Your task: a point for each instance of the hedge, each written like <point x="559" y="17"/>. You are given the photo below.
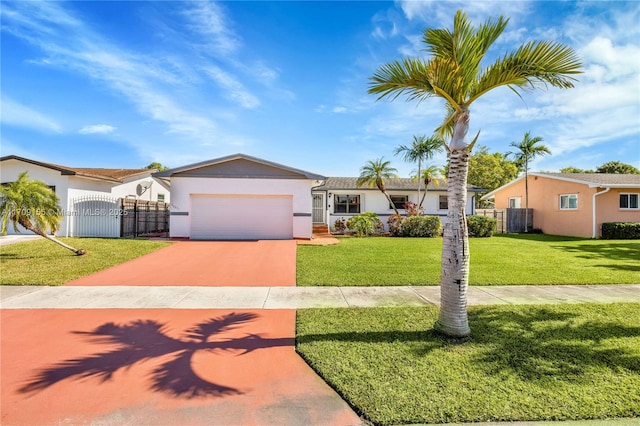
<point x="481" y="226"/>
<point x="621" y="230"/>
<point x="421" y="226"/>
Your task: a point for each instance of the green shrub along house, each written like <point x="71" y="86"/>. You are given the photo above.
<point x="340" y="198"/>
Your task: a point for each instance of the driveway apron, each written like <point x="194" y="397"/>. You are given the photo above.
<point x="167" y="366"/>
<point x="264" y="263"/>
<point x="160" y="367"/>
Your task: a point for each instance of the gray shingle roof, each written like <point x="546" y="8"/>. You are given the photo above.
<point x="349" y="183"/>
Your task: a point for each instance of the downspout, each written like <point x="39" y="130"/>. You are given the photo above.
<point x="594" y="232"/>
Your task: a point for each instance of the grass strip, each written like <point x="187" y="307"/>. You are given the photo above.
<point x="40" y="262"/>
<point x="499" y="260"/>
<point x="524" y="363"/>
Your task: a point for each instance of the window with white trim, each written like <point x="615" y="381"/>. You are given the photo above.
<point x="443" y="202"/>
<point x="629" y="201"/>
<point x="346" y="204"/>
<point x="161" y="198"/>
<point x="569" y="202"/>
<point x="515" y="202"/>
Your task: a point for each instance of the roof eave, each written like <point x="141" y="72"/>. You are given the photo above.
<point x="188" y="167"/>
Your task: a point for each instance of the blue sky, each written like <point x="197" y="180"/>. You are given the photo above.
<point x="122" y="84"/>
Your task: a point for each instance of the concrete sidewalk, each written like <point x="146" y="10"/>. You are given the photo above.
<point x="188" y="297"/>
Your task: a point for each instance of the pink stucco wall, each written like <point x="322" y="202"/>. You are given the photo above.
<point x="544" y="199"/>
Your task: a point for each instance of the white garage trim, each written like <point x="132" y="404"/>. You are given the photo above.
<point x="241" y="216"/>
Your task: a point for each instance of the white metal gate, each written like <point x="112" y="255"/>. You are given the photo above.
<point x="317" y="211"/>
<point x="95" y="216"/>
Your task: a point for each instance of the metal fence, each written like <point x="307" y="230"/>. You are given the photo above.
<point x="103" y="216"/>
<point x="498" y="214"/>
<point x="140" y="217"/>
<point x="95" y="216"/>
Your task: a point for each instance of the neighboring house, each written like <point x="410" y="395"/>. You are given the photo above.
<point x="340" y="197"/>
<point x="74" y="186"/>
<point x="573" y="204"/>
<point x="240" y="197"/>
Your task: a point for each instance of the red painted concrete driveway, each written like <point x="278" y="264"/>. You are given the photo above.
<point x="263" y="263"/>
<point x="159" y="367"/>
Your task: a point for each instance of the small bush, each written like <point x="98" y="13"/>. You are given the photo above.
<point x="364" y="224"/>
<point x="395" y="224"/>
<point x="340" y="225"/>
<point x="621" y="230"/>
<point x="421" y="226"/>
<point x="481" y="226"/>
<point x="413" y="209"/>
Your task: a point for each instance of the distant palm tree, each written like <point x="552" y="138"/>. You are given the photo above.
<point x="32" y="204"/>
<point x="374" y="173"/>
<point x="428" y="175"/>
<point x="422" y="148"/>
<point x="528" y="149"/>
<point x="457" y="72"/>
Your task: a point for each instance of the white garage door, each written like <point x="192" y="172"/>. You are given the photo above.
<point x="241" y="217"/>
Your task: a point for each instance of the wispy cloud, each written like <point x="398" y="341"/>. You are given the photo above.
<point x="234" y="90"/>
<point x="68" y="43"/>
<point x="19" y="115"/>
<point x="209" y="20"/>
<point x="102" y="129"/>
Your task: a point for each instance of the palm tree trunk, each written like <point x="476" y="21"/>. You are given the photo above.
<point x="390" y="202"/>
<point x="454" y="274"/>
<point x="419" y="182"/>
<point x="30" y="227"/>
<point x="526" y="194"/>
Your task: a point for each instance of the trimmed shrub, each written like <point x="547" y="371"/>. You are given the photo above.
<point x="364" y="224"/>
<point x="621" y="230"/>
<point x="481" y="226"/>
<point x="340" y="225"/>
<point x="421" y="226"/>
<point x="395" y="224"/>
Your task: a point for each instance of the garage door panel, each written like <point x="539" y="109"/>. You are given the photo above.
<point x="241" y="217"/>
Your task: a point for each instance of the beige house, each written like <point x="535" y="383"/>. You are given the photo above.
<point x="573" y="204"/>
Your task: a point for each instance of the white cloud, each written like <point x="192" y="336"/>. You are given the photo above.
<point x="442" y="12"/>
<point x="97" y="129"/>
<point x="209" y="20"/>
<point x="139" y="79"/>
<point x="19" y="115"/>
<point x="234" y="89"/>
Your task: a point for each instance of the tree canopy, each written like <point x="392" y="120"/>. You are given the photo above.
<point x="157" y="166"/>
<point x="617" y="167"/>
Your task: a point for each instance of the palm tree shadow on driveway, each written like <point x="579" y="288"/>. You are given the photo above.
<point x="142" y="340"/>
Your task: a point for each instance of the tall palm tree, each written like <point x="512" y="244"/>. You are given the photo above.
<point x="454" y="73"/>
<point x="422" y="148"/>
<point x="428" y="175"/>
<point x="527" y="150"/>
<point x="32" y="204"/>
<point x="374" y="173"/>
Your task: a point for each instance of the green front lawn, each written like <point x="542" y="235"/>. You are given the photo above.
<point x="499" y="260"/>
<point x="555" y="362"/>
<point x="40" y="262"/>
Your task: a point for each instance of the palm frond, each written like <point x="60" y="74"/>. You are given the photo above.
<point x="408" y="76"/>
<point x="466" y="46"/>
<point x="29" y="202"/>
<point x="375" y="172"/>
<point x="533" y="64"/>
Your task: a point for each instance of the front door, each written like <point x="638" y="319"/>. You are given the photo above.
<point x="318" y="209"/>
